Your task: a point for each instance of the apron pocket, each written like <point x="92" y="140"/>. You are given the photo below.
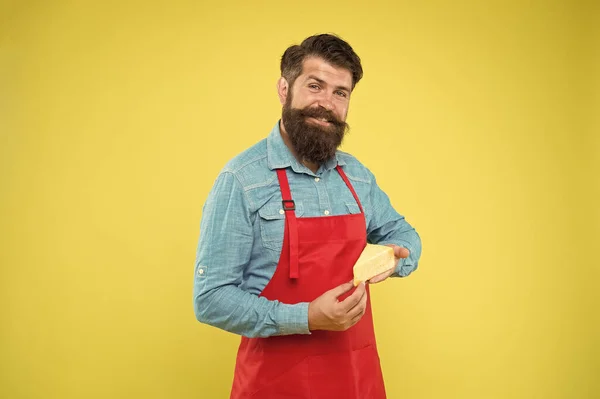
<point x="351" y="374"/>
<point x="292" y="384"/>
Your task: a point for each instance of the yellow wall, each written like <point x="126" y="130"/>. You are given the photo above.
<point x="480" y="120"/>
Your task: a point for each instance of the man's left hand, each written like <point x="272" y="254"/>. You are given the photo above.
<point x="399" y="252"/>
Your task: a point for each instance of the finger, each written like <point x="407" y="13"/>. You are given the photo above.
<point x="359" y="306"/>
<point x="356" y="319"/>
<point x="380" y="277"/>
<point x="353" y="299"/>
<point x="341" y="289"/>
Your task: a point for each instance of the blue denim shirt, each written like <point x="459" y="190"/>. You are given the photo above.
<point x="241" y="233"/>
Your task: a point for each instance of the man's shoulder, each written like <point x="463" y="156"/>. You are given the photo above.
<point x="251" y="157"/>
<point x="353" y="168"/>
<point x="250" y="167"/>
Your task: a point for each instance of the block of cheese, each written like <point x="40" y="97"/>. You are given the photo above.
<point x="374" y="260"/>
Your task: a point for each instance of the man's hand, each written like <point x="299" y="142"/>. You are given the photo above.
<point x="328" y="313"/>
<point x="399" y="252"/>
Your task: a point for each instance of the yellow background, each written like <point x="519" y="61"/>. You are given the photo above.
<point x="480" y="120"/>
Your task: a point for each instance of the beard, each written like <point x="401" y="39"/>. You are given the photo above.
<point x="312" y="142"/>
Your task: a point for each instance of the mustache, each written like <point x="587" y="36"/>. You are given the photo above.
<point x="321" y="113"/>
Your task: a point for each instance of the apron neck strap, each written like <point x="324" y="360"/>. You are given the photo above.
<point x="345" y="178"/>
<point x="291" y="224"/>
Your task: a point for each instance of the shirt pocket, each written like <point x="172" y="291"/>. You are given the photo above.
<point x="352" y="208"/>
<point x="272" y="222"/>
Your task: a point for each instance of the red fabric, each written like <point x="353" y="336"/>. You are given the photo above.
<point x="324" y="364"/>
<point x="290" y="219"/>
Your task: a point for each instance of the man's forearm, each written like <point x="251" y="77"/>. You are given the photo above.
<point x="240" y="312"/>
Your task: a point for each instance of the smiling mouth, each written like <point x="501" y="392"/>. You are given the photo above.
<point x="320" y="121"/>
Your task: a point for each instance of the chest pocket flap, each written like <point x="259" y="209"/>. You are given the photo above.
<point x="352" y="208"/>
<point x="272" y="220"/>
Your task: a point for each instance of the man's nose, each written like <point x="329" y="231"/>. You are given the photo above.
<point x="325" y="102"/>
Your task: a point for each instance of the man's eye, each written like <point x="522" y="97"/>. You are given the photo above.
<point x="314" y="86"/>
<point x="342" y="94"/>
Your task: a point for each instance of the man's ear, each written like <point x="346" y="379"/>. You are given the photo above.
<point x="282" y="90"/>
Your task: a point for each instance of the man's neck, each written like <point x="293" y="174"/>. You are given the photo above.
<point x="286" y="139"/>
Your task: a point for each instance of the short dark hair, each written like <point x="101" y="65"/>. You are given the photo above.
<point x="329" y="47"/>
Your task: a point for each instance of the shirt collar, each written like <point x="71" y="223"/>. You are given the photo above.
<point x="279" y="155"/>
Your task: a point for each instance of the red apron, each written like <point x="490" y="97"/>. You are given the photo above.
<point x="318" y="254"/>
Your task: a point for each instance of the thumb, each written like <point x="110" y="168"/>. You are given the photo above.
<point x="399" y="252"/>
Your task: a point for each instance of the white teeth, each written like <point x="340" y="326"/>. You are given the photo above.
<point x="321" y="119"/>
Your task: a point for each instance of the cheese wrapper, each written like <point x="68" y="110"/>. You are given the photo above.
<point x="374" y="260"/>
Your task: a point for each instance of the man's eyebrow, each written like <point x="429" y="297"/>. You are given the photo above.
<point x="321" y="81"/>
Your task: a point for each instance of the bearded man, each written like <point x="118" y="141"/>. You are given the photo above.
<point x="281" y="230"/>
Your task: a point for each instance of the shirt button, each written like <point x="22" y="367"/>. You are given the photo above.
<point x="201" y="271"/>
<point x="281" y="211"/>
<point x="326" y="212"/>
<point x="317" y="179"/>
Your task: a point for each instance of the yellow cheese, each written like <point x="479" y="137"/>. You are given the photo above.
<point x="374" y="260"/>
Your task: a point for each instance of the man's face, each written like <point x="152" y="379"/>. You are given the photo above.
<point x="315" y="110"/>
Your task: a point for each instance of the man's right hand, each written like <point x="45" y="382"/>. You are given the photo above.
<point x="328" y="313"/>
